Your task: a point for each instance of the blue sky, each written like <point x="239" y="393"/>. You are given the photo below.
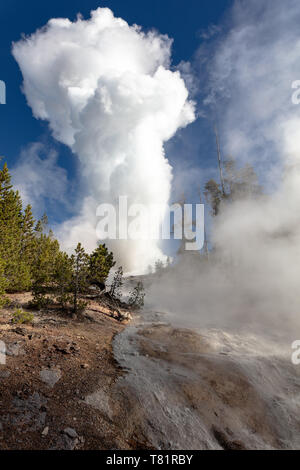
<point x="182" y="21"/>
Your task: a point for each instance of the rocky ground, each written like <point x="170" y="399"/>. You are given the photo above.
<point x="56" y="382"/>
<point x="209" y="388"/>
<point x="101" y="382"/>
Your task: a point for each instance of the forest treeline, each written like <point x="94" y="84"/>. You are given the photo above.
<point x="31" y="258"/>
<point x="236" y="183"/>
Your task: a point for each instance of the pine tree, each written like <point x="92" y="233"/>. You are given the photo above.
<point x="137" y="296"/>
<point x="159" y="266"/>
<point x="3" y="285"/>
<point x="101" y="262"/>
<point x="38" y="229"/>
<point x="79" y="282"/>
<point x="16" y="271"/>
<point x="117" y="282"/>
<point x="43" y="270"/>
<point x="213" y="195"/>
<point x="30" y="257"/>
<point x="63" y="279"/>
<point x="28" y="238"/>
<point x="240" y="182"/>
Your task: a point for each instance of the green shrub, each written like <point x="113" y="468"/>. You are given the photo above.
<point x="20" y="317"/>
<point x="39" y="301"/>
<point x="81" y="306"/>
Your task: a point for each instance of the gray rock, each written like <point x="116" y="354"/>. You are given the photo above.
<point x="14" y="349"/>
<point x="28" y="412"/>
<point x="50" y="376"/>
<point x="70" y="432"/>
<point x="100" y="401"/>
<point x="64" y="442"/>
<point x="4" y="374"/>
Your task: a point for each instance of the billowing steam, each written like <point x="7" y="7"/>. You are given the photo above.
<point x="254" y="274"/>
<point x="107" y="92"/>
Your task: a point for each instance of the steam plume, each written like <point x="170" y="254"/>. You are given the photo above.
<point x="254" y="276"/>
<point x="107" y="92"/>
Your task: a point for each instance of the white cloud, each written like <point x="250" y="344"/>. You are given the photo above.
<point x="38" y="177"/>
<point x="211" y="31"/>
<point x="251" y="75"/>
<point x="107" y="93"/>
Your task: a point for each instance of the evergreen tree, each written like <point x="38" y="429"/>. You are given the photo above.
<point x="79" y="281"/>
<point x="30" y="257"/>
<point x="28" y="237"/>
<point x="101" y="262"/>
<point x="15" y="270"/>
<point x="159" y="266"/>
<point x="213" y="195"/>
<point x="117" y="282"/>
<point x="38" y="229"/>
<point x="46" y="252"/>
<point x="63" y="279"/>
<point x="240" y="182"/>
<point x="137" y="296"/>
<point x="3" y="284"/>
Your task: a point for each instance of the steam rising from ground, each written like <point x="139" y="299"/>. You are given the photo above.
<point x="253" y="277"/>
<point x="107" y="93"/>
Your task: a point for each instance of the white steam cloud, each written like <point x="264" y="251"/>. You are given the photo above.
<point x="38" y="177"/>
<point x="253" y="275"/>
<point x="256" y="65"/>
<point x="107" y="92"/>
<point x="251" y="75"/>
